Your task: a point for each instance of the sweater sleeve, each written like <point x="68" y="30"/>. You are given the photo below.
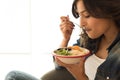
<point x="77" y="42"/>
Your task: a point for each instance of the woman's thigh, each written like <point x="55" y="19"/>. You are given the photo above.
<point x="58" y="74"/>
<point x="18" y="75"/>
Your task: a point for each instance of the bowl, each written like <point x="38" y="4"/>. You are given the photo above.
<point x="72" y="54"/>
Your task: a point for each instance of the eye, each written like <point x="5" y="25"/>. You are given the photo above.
<point x="87" y="16"/>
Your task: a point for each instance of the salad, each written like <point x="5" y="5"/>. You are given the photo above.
<point x="71" y="51"/>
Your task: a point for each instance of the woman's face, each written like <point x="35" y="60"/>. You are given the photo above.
<point x="94" y="27"/>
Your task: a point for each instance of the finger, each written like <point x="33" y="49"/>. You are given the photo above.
<point x="66" y="31"/>
<point x="82" y="61"/>
<point x="67" y="28"/>
<point x="64" y="18"/>
<point x="67" y="24"/>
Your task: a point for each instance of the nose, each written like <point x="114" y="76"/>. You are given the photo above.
<point x="82" y="22"/>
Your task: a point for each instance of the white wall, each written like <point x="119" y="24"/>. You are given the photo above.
<point x="15" y="26"/>
<point x="29" y="32"/>
<point x="15" y="36"/>
<point x="46" y="36"/>
<point x="45" y="23"/>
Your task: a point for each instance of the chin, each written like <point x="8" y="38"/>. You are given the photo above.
<point x="93" y="37"/>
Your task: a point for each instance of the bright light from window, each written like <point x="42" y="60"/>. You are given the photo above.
<point x="15" y="28"/>
<point x="18" y="16"/>
<point x="45" y="17"/>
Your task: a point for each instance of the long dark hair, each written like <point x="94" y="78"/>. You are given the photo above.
<point x="109" y="9"/>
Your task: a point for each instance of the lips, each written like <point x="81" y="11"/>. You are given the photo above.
<point x="86" y="29"/>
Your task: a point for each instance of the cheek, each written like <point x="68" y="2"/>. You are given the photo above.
<point x="95" y="33"/>
<point x="98" y="27"/>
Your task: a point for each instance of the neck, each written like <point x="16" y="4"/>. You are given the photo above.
<point x="111" y="34"/>
<point x="110" y="38"/>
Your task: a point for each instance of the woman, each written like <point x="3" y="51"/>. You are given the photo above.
<point x="100" y="21"/>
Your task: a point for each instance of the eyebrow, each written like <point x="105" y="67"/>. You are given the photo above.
<point x="82" y="12"/>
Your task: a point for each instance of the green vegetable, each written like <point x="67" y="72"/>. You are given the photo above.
<point x="63" y="51"/>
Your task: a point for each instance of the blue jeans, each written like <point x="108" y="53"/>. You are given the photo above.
<point x="18" y="75"/>
<point x="55" y="74"/>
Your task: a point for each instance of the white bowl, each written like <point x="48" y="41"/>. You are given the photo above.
<point x="71" y="59"/>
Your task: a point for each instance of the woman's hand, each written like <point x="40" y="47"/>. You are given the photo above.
<point x="66" y="27"/>
<point x="77" y="70"/>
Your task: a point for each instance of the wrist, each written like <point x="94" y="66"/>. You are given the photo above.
<point x="64" y="43"/>
<point x="66" y="39"/>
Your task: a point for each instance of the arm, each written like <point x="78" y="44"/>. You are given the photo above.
<point x="64" y="43"/>
<point x="66" y="27"/>
<point x="77" y="70"/>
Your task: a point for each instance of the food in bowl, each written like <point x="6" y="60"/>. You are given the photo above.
<point x="71" y="51"/>
<point x="71" y="54"/>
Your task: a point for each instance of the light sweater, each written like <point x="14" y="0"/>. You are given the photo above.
<point x="91" y="65"/>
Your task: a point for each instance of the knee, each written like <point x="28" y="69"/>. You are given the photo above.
<point x="11" y="75"/>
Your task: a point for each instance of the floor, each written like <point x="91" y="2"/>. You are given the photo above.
<point x="35" y="65"/>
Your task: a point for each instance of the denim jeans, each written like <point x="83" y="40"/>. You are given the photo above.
<point x="18" y="75"/>
<point x="55" y="74"/>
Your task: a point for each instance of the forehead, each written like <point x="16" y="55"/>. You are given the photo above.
<point x="80" y="7"/>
